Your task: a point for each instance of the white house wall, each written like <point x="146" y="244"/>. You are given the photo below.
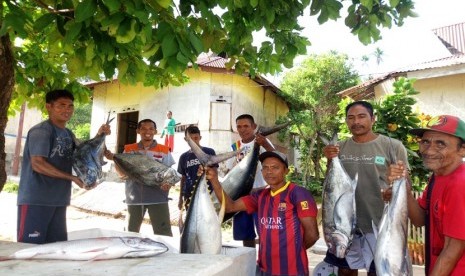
<point x="442" y="95"/>
<point x="191" y="104"/>
<point x="438" y="95"/>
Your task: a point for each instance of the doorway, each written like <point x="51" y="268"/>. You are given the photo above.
<point x="127" y="126"/>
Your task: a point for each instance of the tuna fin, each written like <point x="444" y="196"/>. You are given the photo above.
<point x="265" y="131"/>
<point x="375" y="229"/>
<point x="223" y="207"/>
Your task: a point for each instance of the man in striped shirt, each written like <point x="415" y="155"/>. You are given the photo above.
<point x="287" y="217"/>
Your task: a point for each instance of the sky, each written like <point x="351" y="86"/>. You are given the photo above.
<point x="410" y="44"/>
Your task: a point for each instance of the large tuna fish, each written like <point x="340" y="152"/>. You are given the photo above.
<point x="88" y="158"/>
<point x="201" y="232"/>
<point x="239" y="181"/>
<point x="339" y="215"/>
<point x="391" y="254"/>
<point x="145" y="169"/>
<point x="92" y="249"/>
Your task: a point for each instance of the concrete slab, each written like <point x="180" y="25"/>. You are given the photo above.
<point x="233" y="261"/>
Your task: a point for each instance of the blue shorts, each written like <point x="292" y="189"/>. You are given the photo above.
<point x="244" y="226"/>
<point x="342" y="263"/>
<point x="41" y="224"/>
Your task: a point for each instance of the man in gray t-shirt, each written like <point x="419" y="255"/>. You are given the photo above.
<point x="367" y="154"/>
<point x="45" y="183"/>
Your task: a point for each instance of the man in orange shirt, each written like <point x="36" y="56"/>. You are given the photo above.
<point x="141" y="198"/>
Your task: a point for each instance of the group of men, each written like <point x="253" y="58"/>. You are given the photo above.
<point x="283" y="213"/>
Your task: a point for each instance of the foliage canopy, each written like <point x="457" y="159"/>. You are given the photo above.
<point x="311" y="91"/>
<point x="56" y="44"/>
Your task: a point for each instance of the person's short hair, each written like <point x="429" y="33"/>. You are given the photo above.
<point x="365" y="104"/>
<point x="245" y="116"/>
<point x="276" y="154"/>
<point x="192" y="130"/>
<point x="57" y="94"/>
<point x="146" y="121"/>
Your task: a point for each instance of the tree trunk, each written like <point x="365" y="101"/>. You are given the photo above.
<point x="7" y="81"/>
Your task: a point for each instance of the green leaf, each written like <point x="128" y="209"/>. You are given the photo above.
<point x="85" y="9"/>
<point x="169" y="46"/>
<point x="112" y="5"/>
<point x="196" y="42"/>
<point x="16" y="23"/>
<point x="164" y="3"/>
<point x="43" y="21"/>
<point x="394" y="3"/>
<point x="367" y="4"/>
<point x="182" y="58"/>
<point x="254" y="3"/>
<point x="73" y="30"/>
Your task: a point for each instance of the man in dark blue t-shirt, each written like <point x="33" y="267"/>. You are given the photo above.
<point x="188" y="166"/>
<point x="45" y="183"/>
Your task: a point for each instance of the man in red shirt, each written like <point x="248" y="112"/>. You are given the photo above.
<point x="441" y="208"/>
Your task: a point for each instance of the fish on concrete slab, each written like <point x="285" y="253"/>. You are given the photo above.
<point x="104" y="248"/>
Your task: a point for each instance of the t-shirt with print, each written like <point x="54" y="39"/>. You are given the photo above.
<point x="282" y="249"/>
<point x="259" y="182"/>
<point x="140" y="194"/>
<point x="188" y="166"/>
<point x="447" y="214"/>
<point x="370" y="160"/>
<point x="56" y="145"/>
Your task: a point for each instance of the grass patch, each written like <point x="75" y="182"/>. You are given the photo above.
<point x="11" y="187"/>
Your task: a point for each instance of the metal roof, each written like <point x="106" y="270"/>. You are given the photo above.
<point x="453" y="37"/>
<point x="365" y="90"/>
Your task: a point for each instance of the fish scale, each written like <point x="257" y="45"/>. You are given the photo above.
<point x="88" y="158"/>
<point x="145" y="169"/>
<point x="391" y="253"/>
<point x="103" y="248"/>
<point x="338" y="206"/>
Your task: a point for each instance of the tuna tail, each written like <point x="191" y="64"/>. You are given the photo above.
<point x="108" y="118"/>
<point x="206" y="159"/>
<point x="326" y="141"/>
<point x="265" y="131"/>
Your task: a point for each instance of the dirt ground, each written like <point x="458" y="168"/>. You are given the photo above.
<point x="109" y="197"/>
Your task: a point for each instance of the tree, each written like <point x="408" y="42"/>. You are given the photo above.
<point x="80" y="122"/>
<point x="311" y="93"/>
<point x="57" y="43"/>
<point x="378" y="54"/>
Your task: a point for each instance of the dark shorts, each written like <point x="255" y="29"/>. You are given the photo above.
<point x="244" y="226"/>
<point x="41" y="224"/>
<point x="342" y="263"/>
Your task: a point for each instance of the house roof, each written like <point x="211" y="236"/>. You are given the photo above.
<point x="365" y="90"/>
<point x="212" y="63"/>
<point x="453" y="37"/>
